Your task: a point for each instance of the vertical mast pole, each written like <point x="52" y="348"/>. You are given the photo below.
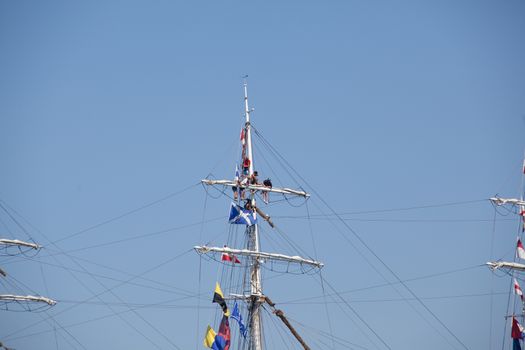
<point x="522" y="176"/>
<point x="253" y="244"/>
<point x="248" y="128"/>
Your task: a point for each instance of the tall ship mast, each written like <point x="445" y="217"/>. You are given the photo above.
<point x="515" y="269"/>
<point x="245" y="210"/>
<point x="10" y="247"/>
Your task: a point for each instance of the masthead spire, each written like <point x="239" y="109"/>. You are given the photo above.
<point x="247" y="112"/>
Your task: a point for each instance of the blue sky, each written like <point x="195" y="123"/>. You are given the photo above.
<point x="110" y="106"/>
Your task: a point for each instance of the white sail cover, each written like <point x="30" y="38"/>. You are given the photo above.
<point x="503" y="201"/>
<point x="13" y="242"/>
<point x="12" y="297"/>
<point x="262" y="188"/>
<point x="494" y="265"/>
<point x="263" y="255"/>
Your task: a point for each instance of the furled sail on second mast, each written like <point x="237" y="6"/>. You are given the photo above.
<point x="515" y="269"/>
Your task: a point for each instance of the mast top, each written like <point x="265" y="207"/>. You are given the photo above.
<point x="247" y="111"/>
<point x="246" y="108"/>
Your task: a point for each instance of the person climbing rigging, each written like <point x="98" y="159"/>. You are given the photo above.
<point x="248" y="205"/>
<point x="240" y="181"/>
<point x="266" y="194"/>
<point x="253" y="179"/>
<point x="246" y="166"/>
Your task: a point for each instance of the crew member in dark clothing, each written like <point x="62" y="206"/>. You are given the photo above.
<point x="266" y="194"/>
<point x="253" y="178"/>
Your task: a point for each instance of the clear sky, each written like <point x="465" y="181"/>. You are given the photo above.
<point x="109" y="109"/>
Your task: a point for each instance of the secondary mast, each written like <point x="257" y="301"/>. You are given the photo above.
<point x="513" y="267"/>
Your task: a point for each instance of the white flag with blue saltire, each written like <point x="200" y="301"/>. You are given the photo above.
<point x="241" y="216"/>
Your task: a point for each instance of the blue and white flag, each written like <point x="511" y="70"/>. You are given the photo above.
<point x="236" y="315"/>
<point x="241" y="216"/>
<point x="237" y="175"/>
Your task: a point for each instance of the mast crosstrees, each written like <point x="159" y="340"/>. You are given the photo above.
<point x="259" y="255"/>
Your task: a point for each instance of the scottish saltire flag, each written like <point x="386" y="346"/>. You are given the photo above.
<point x="520" y="251"/>
<point x="242" y="216"/>
<point x="236" y="315"/>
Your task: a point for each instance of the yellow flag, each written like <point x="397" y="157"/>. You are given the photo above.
<point x="218" y="289"/>
<point x="218" y="298"/>
<point x="209" y="338"/>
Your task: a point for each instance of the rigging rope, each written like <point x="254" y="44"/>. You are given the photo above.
<point x="491" y="309"/>
<point x="339" y="340"/>
<point x="15" y="220"/>
<point x="127" y="213"/>
<point x="105" y="291"/>
<point x="320" y="275"/>
<point x="367" y="247"/>
<point x="197" y="343"/>
<point x="144" y="235"/>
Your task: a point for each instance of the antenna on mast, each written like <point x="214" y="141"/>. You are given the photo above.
<point x="247" y="126"/>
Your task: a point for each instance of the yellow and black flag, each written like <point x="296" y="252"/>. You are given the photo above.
<point x="218" y="298"/>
